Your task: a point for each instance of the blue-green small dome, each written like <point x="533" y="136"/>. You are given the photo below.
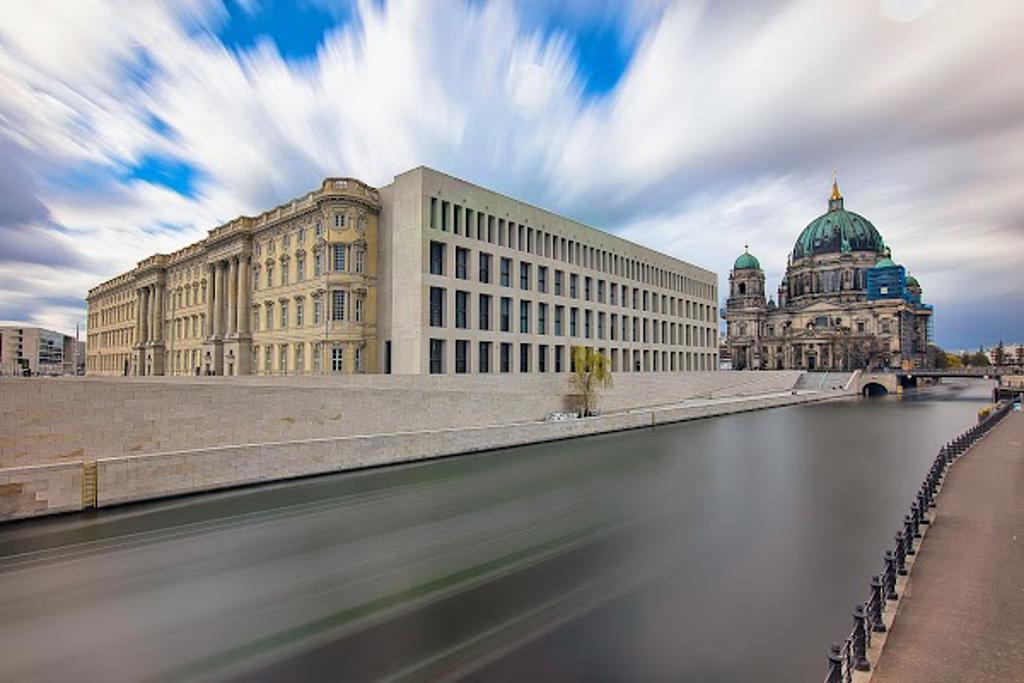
<point x="912" y="281"/>
<point x="886" y="263"/>
<point x="746" y="261"/>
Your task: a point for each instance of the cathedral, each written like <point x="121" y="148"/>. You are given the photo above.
<point x="843" y="304"/>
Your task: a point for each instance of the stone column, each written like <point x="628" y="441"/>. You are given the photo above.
<point x="244" y="312"/>
<point x="140" y="314"/>
<point x="158" y="312"/>
<point x="232" y="291"/>
<point x="218" y="299"/>
<point x="210" y="280"/>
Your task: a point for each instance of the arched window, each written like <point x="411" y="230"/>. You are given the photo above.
<point x="742" y="288"/>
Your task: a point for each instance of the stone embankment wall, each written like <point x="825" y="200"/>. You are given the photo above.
<point x="134" y="478"/>
<point x="85" y="419"/>
<point x="40" y="490"/>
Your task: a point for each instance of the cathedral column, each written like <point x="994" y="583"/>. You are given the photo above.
<point x="232" y="290"/>
<point x="210" y="279"/>
<point x="244" y="314"/>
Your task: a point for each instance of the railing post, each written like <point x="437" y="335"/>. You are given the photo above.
<point x="901" y="554"/>
<point x="915" y="512"/>
<point x="909" y="533"/>
<point x="877" y="603"/>
<point x="890" y="575"/>
<point x="922" y="506"/>
<point x="835" y="664"/>
<point x="860" y="639"/>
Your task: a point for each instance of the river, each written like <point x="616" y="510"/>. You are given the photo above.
<point x="726" y="549"/>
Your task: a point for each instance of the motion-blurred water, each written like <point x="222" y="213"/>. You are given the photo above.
<point x="725" y="549"/>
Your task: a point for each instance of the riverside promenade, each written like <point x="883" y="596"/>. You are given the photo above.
<point x="962" y="615"/>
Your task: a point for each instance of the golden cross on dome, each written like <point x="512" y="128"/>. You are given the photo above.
<point x="835" y="185"/>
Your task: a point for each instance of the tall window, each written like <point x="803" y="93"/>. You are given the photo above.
<point x="542" y="358"/>
<point x="485" y="268"/>
<point x="437" y="258"/>
<point x="317" y="264"/>
<point x="573" y="284"/>
<point x="542" y="318"/>
<point x="317" y="313"/>
<point x="506" y="272"/>
<point x="359" y="309"/>
<point x="270" y="275"/>
<point x="558" y="358"/>
<point x="573" y="315"/>
<point x="270" y="316"/>
<point x="461" y="356"/>
<point x="524" y="275"/>
<point x="339" y="220"/>
<point x="436" y="356"/>
<point x="461" y="263"/>
<point x="524" y="317"/>
<point x="559" y="312"/>
<point x="284" y="272"/>
<point x="337" y="358"/>
<point x="284" y="314"/>
<point x="359" y="359"/>
<point x="524" y="358"/>
<point x="436" y="307"/>
<point x="461" y="309"/>
<point x="255" y="319"/>
<point x="360" y="260"/>
<point x="300" y="267"/>
<point x="338" y="304"/>
<point x="268" y="359"/>
<point x="485" y="312"/>
<point x="506" y="314"/>
<point x="300" y="311"/>
<point x="282" y="358"/>
<point x="505" y="357"/>
<point x="317" y="362"/>
<point x="559" y="278"/>
<point x="485" y="357"/>
<point x="300" y="357"/>
<point x="339" y="257"/>
<point x="542" y="279"/>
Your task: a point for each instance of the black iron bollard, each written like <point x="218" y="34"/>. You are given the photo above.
<point x="860" y="639"/>
<point x="835" y="664"/>
<point x="922" y="506"/>
<point x="890" y="575"/>
<point x="901" y="554"/>
<point x="877" y="603"/>
<point x="915" y="512"/>
<point x="909" y="533"/>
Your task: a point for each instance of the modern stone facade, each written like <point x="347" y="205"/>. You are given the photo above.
<point x="429" y="274"/>
<point x="843" y="304"/>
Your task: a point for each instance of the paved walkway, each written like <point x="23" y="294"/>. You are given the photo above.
<point x="962" y="617"/>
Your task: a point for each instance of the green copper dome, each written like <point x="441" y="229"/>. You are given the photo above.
<point x="746" y="261"/>
<point x="838" y="231"/>
<point x="912" y="281"/>
<point x="886" y="263"/>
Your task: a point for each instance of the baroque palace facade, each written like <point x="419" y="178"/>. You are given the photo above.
<point x="429" y="274"/>
<point x="843" y="303"/>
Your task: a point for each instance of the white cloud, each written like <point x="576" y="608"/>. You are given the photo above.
<point x="723" y="129"/>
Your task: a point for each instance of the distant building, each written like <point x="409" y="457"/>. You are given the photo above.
<point x="843" y="304"/>
<point x="429" y="274"/>
<point x="26" y="350"/>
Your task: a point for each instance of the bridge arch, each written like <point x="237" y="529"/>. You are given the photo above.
<point x="874" y="389"/>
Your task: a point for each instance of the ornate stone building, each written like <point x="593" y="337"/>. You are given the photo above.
<point x="429" y="274"/>
<point x="843" y="303"/>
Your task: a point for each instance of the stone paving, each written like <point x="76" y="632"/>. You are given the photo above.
<point x="962" y="615"/>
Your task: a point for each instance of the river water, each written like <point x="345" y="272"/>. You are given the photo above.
<point x="726" y="549"/>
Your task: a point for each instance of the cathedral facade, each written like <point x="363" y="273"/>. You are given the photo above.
<point x="843" y="304"/>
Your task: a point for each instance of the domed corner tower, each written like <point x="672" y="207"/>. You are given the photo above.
<point x="745" y="311"/>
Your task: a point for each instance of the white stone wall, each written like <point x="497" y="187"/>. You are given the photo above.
<point x="62" y="419"/>
<point x="40" y="490"/>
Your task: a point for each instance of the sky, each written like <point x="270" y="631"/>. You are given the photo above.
<point x="694" y="128"/>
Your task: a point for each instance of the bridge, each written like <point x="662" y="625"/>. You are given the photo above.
<point x="876" y="383"/>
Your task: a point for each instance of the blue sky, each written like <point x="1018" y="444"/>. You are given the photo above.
<point x="691" y="127"/>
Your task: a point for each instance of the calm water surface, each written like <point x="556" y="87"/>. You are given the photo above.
<point x="727" y="549"/>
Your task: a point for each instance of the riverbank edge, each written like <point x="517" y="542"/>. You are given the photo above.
<point x="889" y="617"/>
<point x="38" y="490"/>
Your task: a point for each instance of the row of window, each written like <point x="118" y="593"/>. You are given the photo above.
<point x="557" y="358"/>
<point x="274" y="358"/>
<point x="466" y="222"/>
<point x="593" y="289"/>
<point x="552" y="319"/>
<point x="344" y="306"/>
<point x="344" y="258"/>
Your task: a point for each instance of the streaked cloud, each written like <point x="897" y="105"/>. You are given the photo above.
<point x="693" y="127"/>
